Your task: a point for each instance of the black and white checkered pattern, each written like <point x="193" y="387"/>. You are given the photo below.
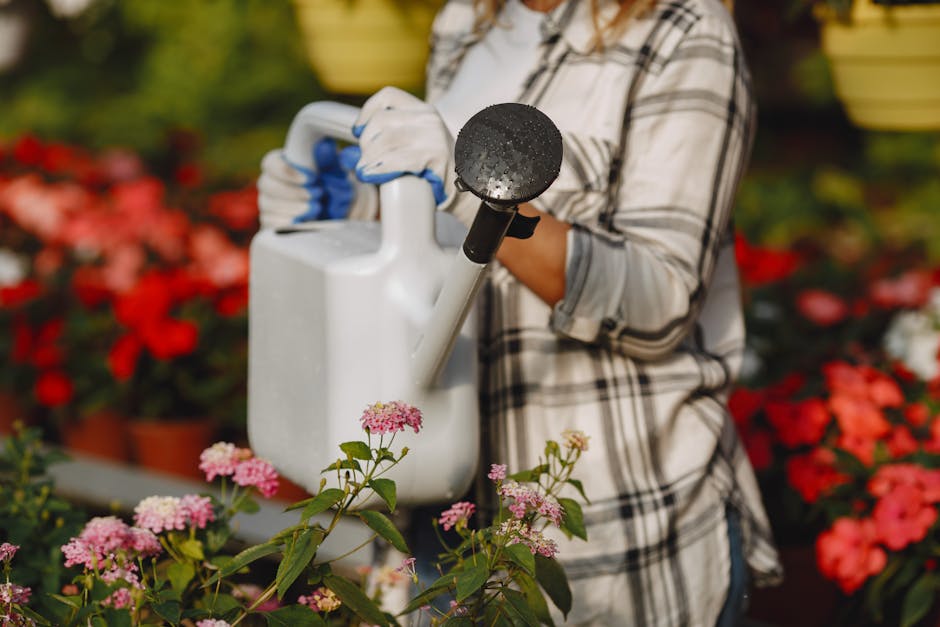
<point x="641" y="352"/>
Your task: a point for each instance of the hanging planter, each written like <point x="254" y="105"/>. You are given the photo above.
<point x="885" y="61"/>
<point x="357" y="47"/>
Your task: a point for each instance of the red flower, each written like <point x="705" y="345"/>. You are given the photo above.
<point x="233" y="302"/>
<point x="53" y="388"/>
<point x="844" y="377"/>
<point x="188" y="175"/>
<point x="759" y="446"/>
<point x="821" y="307"/>
<point x="907" y="290"/>
<point x="888" y="477"/>
<point x="882" y="389"/>
<point x="122" y="358"/>
<point x="237" y="209"/>
<point x="917" y="414"/>
<point x="787" y="386"/>
<point x="22" y="341"/>
<point x="762" y="265"/>
<point x="169" y="338"/>
<point x="847" y="554"/>
<point x="860" y="446"/>
<point x="147" y="301"/>
<point x="90" y="287"/>
<point x="800" y="422"/>
<point x="19" y="294"/>
<point x="901" y="442"/>
<point x="744" y="403"/>
<point x="858" y="416"/>
<point x="903" y="516"/>
<point x="28" y="151"/>
<point x="814" y="474"/>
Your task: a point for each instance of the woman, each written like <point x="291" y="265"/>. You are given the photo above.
<point x="621" y="316"/>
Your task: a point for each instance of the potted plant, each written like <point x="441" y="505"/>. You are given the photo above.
<point x="359" y="46"/>
<point x="885" y="60"/>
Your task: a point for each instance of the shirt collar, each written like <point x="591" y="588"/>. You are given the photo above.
<point x="572" y="21"/>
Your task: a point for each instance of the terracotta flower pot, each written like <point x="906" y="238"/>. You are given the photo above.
<point x="172" y="446"/>
<point x="101" y="434"/>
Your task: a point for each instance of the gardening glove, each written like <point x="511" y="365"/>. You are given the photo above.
<point x="400" y="134"/>
<point x="290" y="194"/>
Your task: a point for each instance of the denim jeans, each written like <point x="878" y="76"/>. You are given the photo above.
<point x="736" y="602"/>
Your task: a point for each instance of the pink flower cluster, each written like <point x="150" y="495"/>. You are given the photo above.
<point x="497" y="472"/>
<point x="104" y="539"/>
<point x="13" y="593"/>
<point x="212" y="622"/>
<point x="320" y="600"/>
<point x="517" y="532"/>
<point x="525" y="499"/>
<point x="7" y="551"/>
<point x="457" y="514"/>
<point x="166" y="513"/>
<point x="390" y="417"/>
<point x="224" y="459"/>
<point x="906" y="508"/>
<point x="575" y="440"/>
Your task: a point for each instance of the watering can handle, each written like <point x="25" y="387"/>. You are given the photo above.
<point x="314" y="122"/>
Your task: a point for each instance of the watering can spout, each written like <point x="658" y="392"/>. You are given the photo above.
<point x="505" y="155"/>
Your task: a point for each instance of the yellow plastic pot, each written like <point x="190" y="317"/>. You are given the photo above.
<point x="886" y="65"/>
<point x="359" y="46"/>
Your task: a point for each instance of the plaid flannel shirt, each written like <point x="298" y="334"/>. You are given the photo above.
<point x="641" y="352"/>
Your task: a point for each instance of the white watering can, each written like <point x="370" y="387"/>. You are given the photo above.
<point x="347" y="313"/>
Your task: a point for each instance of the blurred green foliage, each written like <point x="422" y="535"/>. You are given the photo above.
<point x="227" y="75"/>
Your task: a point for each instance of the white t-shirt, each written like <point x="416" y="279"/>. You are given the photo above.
<point x="508" y="52"/>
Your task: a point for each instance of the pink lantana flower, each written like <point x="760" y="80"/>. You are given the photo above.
<point x="517" y="532"/>
<point x="220" y="459"/>
<point x="257" y="473"/>
<point x="497" y="472"/>
<point x="320" y="600"/>
<point x="212" y="622"/>
<point x="458" y="514"/>
<point x="160" y="513"/>
<point x="390" y="417"/>
<point x="198" y="510"/>
<point x="7" y="551"/>
<point x="105" y="538"/>
<point x="525" y="499"/>
<point x="575" y="440"/>
<point x="13" y="593"/>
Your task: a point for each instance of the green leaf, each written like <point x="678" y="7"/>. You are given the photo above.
<point x="457" y="621"/>
<point x="534" y="596"/>
<point x="436" y="589"/>
<point x="386" y="489"/>
<point x="322" y="502"/>
<point x="918" y="600"/>
<point x="579" y="487"/>
<point x="221" y="603"/>
<point x="248" y="505"/>
<point x="298" y="555"/>
<point x="520" y="607"/>
<point x="299" y="504"/>
<point x="521" y="555"/>
<point x="343" y="464"/>
<point x="293" y="616"/>
<point x="192" y="548"/>
<point x="553" y="580"/>
<point x="573" y="522"/>
<point x="249" y="555"/>
<point x="849" y="463"/>
<point x="118" y="618"/>
<point x="180" y="574"/>
<point x="169" y="611"/>
<point x="355" y="599"/>
<point x="356" y="450"/>
<point x="472" y="577"/>
<point x="380" y="524"/>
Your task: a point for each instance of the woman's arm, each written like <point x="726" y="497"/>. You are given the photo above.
<point x="538" y="262"/>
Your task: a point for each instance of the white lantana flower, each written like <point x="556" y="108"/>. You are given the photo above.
<point x="913" y="338"/>
<point x="13" y="267"/>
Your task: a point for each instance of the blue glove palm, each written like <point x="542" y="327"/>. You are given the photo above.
<point x="331" y="192"/>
